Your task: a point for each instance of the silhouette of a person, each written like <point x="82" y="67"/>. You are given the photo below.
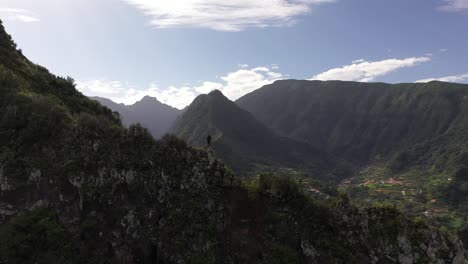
<point x="208" y="140"/>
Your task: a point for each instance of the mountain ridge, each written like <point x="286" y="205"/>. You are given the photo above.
<point x="236" y="134"/>
<point x="344" y="106"/>
<point x="151" y="113"/>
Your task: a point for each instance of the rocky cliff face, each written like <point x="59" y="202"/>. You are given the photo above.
<point x="387" y="239"/>
<point x="191" y="210"/>
<point x="167" y="207"/>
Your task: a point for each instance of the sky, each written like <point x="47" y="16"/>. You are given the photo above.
<point x="175" y="50"/>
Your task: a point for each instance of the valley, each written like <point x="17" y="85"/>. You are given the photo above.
<point x="403" y="144"/>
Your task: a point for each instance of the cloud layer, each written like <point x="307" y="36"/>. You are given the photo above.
<point x="233" y="85"/>
<point x="244" y="80"/>
<point x="454" y="5"/>
<point x="15" y="14"/>
<point x="453" y="78"/>
<point x="367" y="71"/>
<point x="233" y="15"/>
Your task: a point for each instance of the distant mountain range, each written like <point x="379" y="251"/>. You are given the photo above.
<point x="149" y="112"/>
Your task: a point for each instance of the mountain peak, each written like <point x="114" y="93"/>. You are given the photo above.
<point x="151" y="113"/>
<point x="215" y="96"/>
<point x="239" y="138"/>
<point x="148" y="98"/>
<point x="217" y="93"/>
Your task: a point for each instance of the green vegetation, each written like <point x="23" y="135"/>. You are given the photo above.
<point x="415" y="134"/>
<point x="35" y="237"/>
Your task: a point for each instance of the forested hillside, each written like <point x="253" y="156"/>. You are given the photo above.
<point x="360" y="121"/>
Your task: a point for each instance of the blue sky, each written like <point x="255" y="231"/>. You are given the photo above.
<point x="175" y="50"/>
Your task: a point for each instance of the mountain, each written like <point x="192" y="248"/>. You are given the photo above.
<point x="414" y="133"/>
<point x="359" y="121"/>
<point x="243" y="142"/>
<point x="149" y="112"/>
<point x="76" y="186"/>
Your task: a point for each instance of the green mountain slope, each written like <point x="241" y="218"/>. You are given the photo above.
<point x="243" y="142"/>
<point x="78" y="187"/>
<point x="414" y="133"/>
<point x="359" y="121"/>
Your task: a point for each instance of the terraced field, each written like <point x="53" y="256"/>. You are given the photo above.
<point x="414" y="193"/>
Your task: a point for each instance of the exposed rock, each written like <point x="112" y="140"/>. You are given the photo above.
<point x="35" y="178"/>
<point x="4" y="185"/>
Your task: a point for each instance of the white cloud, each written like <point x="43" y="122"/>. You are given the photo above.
<point x="454" y="78"/>
<point x="238" y="83"/>
<point x="222" y="15"/>
<point x="233" y="85"/>
<point x="244" y="81"/>
<point x="454" y="5"/>
<point x="125" y="93"/>
<point x="358" y="61"/>
<point x="101" y="87"/>
<point x="207" y="87"/>
<point x="178" y="97"/>
<point x="367" y="71"/>
<point x="15" y="14"/>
